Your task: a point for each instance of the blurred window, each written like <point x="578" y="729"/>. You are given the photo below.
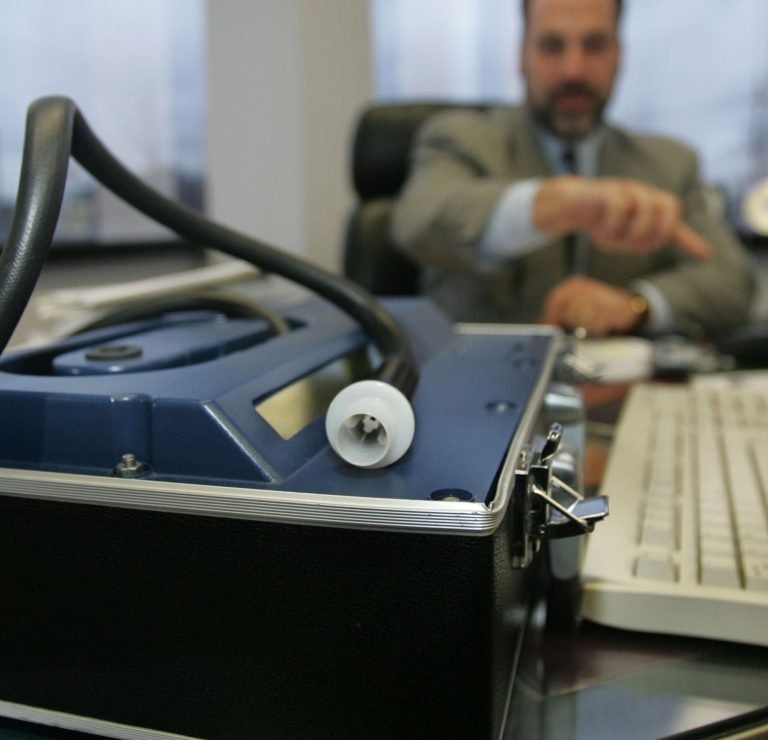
<point x="135" y="68"/>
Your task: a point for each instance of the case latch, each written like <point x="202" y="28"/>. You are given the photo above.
<point x="544" y="506"/>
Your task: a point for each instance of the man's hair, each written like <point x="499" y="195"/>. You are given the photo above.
<point x="526" y="4"/>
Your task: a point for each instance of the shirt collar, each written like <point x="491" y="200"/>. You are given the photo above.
<point x="587" y="150"/>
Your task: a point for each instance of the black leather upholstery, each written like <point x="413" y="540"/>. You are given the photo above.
<point x="380" y="161"/>
<point x="382" y="146"/>
<point x="370" y="257"/>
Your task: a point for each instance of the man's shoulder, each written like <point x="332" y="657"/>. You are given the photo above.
<point x="654" y="147"/>
<point x="471" y="122"/>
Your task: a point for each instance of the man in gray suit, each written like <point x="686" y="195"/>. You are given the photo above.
<point x="545" y="213"/>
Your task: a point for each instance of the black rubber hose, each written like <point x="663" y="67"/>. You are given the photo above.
<point x="56" y="129"/>
<point x="38" y="203"/>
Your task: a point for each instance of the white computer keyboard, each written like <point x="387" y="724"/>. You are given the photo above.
<point x="685" y="547"/>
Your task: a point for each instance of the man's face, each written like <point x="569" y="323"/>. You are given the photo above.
<point x="569" y="60"/>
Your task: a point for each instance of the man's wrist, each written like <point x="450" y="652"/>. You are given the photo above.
<point x="555" y="208"/>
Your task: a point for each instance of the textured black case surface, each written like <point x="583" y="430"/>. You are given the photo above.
<point x="239" y="629"/>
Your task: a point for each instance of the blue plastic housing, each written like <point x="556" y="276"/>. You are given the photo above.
<point x="183" y="400"/>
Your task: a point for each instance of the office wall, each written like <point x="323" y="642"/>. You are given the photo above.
<point x="286" y="79"/>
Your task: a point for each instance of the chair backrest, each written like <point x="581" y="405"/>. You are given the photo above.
<point x="380" y="161"/>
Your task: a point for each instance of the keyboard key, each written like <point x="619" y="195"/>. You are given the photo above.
<point x="718" y="547"/>
<point x="658" y="534"/>
<point x="754" y="549"/>
<point x="657" y="567"/>
<point x="754" y="541"/>
<point x="715" y="533"/>
<point x="756" y="573"/>
<point x="719" y="570"/>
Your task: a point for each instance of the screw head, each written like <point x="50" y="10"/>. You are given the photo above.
<point x="130" y="467"/>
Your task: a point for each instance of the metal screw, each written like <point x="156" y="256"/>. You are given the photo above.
<point x="130" y="467"/>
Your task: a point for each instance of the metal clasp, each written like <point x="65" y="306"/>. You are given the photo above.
<point x="537" y="512"/>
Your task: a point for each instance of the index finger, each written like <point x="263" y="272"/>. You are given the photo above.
<point x="689" y="241"/>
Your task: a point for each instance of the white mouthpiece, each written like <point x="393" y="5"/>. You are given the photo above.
<point x="370" y="424"/>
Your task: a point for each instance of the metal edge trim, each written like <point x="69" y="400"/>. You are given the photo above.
<point x="66" y="721"/>
<point x="518" y="329"/>
<point x="504" y="487"/>
<point x="291" y="507"/>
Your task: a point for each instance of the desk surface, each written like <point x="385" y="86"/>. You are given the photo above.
<point x="593" y="681"/>
<point x="605" y="683"/>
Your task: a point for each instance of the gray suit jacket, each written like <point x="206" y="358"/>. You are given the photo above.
<point x="463" y="161"/>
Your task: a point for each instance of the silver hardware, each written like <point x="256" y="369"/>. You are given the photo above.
<point x="537" y="514"/>
<point x="130" y="467"/>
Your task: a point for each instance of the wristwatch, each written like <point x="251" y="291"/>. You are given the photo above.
<point x="639" y="306"/>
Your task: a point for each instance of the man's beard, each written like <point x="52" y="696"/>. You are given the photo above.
<point x="569" y="124"/>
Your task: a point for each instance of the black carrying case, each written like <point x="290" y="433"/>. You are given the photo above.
<point x="220" y="628"/>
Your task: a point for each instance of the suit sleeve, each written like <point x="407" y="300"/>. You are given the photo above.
<point x="451" y="192"/>
<point x="707" y="296"/>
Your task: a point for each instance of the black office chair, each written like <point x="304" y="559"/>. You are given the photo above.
<point x="380" y="160"/>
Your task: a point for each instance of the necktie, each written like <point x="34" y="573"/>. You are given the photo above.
<point x="572" y="257"/>
<point x="569" y="160"/>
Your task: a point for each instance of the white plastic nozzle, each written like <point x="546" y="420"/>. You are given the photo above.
<point x="370" y="424"/>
